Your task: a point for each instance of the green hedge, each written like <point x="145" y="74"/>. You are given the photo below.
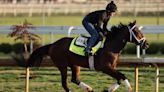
<point x="5" y="48"/>
<point x="129" y="49"/>
<point x="161" y="48"/>
<point x="17" y="48"/>
<point x="154" y="48"/>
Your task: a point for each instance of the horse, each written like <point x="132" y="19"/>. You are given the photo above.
<point x="105" y="60"/>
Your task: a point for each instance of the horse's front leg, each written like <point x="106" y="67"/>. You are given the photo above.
<point x="118" y="76"/>
<point x="75" y="79"/>
<point x="114" y="60"/>
<point x="128" y="86"/>
<point x="63" y="71"/>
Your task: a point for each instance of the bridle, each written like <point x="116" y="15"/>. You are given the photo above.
<point x="139" y="41"/>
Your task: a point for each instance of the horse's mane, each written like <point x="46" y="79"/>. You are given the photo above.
<point x="117" y="28"/>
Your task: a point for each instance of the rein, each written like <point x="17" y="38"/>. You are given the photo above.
<point x="139" y="41"/>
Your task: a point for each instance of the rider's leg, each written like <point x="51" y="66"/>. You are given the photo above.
<point x="93" y="32"/>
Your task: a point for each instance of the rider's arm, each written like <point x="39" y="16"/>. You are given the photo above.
<point x="105" y="23"/>
<point x="105" y="30"/>
<point x="98" y="26"/>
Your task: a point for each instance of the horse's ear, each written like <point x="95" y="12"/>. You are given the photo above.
<point x="121" y="23"/>
<point x="134" y="22"/>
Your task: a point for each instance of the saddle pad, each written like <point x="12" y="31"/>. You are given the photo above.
<point x="81" y="41"/>
<point x="78" y="45"/>
<point x="76" y="49"/>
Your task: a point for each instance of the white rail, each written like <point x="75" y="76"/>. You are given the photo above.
<point x="146" y="29"/>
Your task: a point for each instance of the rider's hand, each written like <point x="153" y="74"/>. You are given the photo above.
<point x="101" y="34"/>
<point x="106" y="33"/>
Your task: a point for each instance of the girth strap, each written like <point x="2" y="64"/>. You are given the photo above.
<point x="91" y="62"/>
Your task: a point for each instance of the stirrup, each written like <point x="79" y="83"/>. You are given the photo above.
<point x="88" y="53"/>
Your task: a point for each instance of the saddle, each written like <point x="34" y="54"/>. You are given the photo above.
<point x="78" y="45"/>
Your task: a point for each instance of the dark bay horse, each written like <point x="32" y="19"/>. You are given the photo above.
<point x="105" y="59"/>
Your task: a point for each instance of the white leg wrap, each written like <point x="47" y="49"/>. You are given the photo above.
<point x="85" y="86"/>
<point x="114" y="87"/>
<point x="128" y="86"/>
<point x="127" y="83"/>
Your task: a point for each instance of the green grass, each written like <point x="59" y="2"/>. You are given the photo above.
<point x="38" y="20"/>
<point x="140" y="20"/>
<point x="155" y="37"/>
<point x="75" y="20"/>
<point x="48" y="79"/>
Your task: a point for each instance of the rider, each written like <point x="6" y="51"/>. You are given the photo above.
<point x="96" y="22"/>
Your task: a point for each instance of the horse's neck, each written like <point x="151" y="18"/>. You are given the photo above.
<point x="115" y="45"/>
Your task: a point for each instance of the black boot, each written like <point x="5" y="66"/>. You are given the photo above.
<point x="88" y="51"/>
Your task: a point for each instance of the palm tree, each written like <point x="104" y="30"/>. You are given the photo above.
<point x="20" y="32"/>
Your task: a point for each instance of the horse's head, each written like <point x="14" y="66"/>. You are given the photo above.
<point x="129" y="33"/>
<point x="136" y="36"/>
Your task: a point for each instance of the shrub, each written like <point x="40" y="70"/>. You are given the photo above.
<point x="153" y="48"/>
<point x="18" y="48"/>
<point x="5" y="48"/>
<point x="162" y="48"/>
<point x="35" y="46"/>
<point x="130" y="49"/>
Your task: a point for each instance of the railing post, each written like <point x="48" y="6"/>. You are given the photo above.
<point x="31" y="46"/>
<point x="27" y="79"/>
<point x="157" y="79"/>
<point x="143" y="52"/>
<point x="69" y="30"/>
<point x="136" y="79"/>
<point x="51" y="37"/>
<point x="138" y="51"/>
<point x="43" y="39"/>
<point x="136" y="69"/>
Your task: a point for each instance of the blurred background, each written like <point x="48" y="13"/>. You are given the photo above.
<point x="52" y="20"/>
<point x="50" y="7"/>
<point x="126" y="8"/>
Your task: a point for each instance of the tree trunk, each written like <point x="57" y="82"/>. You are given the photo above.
<point x="27" y="69"/>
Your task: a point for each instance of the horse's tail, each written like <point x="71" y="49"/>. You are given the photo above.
<point x="35" y="58"/>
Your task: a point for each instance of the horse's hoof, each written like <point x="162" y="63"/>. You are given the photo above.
<point x="129" y="89"/>
<point x="105" y="91"/>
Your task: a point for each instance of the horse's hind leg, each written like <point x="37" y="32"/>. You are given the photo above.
<point x="75" y="74"/>
<point x="75" y="78"/>
<point x="63" y="71"/>
<point x="118" y="76"/>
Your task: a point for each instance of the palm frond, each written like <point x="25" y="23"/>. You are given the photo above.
<point x="20" y="32"/>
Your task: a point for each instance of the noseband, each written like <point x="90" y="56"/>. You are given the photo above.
<point x="139" y="41"/>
